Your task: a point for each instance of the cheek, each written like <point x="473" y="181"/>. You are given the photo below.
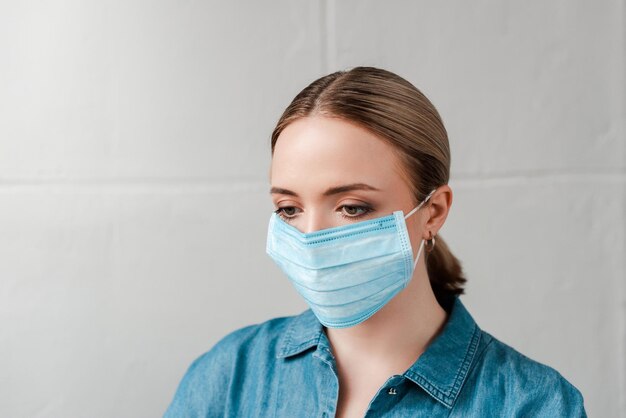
<point x="416" y="231"/>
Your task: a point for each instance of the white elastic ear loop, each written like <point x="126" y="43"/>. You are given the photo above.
<point x="420" y="205"/>
<point x="411" y="213"/>
<point x="418" y="254"/>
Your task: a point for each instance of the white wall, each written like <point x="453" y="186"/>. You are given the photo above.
<point x="134" y="149"/>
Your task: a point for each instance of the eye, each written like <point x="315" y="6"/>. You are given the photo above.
<point x="354" y="211"/>
<point x="287" y="212"/>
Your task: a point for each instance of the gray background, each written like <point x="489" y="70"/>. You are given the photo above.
<point x="134" y="153"/>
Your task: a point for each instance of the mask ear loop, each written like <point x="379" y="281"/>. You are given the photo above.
<point x="419" y="251"/>
<point x="418" y="254"/>
<point x="420" y="205"/>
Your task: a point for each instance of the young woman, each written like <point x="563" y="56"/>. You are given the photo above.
<point x="359" y="178"/>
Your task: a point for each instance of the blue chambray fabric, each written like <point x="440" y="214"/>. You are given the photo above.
<point x="284" y="368"/>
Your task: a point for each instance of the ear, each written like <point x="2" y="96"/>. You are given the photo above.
<point x="437" y="209"/>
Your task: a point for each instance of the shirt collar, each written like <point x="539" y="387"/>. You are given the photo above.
<point x="304" y="332"/>
<point x="441" y="370"/>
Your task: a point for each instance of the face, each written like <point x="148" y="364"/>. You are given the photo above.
<point x="328" y="172"/>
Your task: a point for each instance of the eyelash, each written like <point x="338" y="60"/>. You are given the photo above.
<point x="279" y="212"/>
<point x="366" y="210"/>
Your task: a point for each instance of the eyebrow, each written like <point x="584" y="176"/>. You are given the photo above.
<point x="331" y="191"/>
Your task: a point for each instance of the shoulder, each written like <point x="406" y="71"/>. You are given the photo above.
<point x="247" y="340"/>
<point x="522" y="383"/>
<point x="204" y="387"/>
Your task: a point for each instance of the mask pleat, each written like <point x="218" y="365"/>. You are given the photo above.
<point x="345" y="273"/>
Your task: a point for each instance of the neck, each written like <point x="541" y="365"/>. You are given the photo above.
<point x="396" y="335"/>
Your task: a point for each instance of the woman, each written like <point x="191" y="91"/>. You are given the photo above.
<point x="359" y="178"/>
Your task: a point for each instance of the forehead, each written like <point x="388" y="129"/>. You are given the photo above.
<point x="322" y="151"/>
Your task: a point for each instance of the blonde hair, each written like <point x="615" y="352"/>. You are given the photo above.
<point x="396" y="111"/>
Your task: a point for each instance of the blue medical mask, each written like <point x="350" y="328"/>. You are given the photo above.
<point x="346" y="273"/>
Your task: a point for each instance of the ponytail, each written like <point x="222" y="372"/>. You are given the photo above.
<point x="445" y="272"/>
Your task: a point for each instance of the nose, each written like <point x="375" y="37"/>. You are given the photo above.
<point x="314" y="221"/>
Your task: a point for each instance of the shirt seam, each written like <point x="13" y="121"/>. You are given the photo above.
<point x="286" y="342"/>
<point x="469" y="358"/>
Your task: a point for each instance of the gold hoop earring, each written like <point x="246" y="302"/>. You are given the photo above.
<point x="430" y="242"/>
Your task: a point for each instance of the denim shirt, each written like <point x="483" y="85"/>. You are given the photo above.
<point x="284" y="367"/>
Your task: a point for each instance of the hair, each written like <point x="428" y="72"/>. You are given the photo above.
<point x="397" y="112"/>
